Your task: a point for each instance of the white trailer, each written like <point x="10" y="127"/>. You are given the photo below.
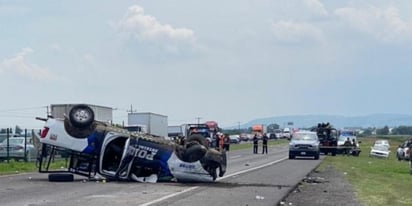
<point x="101" y="113"/>
<point x="175" y="130"/>
<point x="156" y="124"/>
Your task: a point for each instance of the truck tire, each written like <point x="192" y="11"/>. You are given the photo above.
<point x="81" y="116"/>
<point x="197" y="138"/>
<point x="61" y="177"/>
<point x="194" y="153"/>
<point x="77" y="132"/>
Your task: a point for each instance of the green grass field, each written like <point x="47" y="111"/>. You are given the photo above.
<point x="377" y="181"/>
<point x="14" y="167"/>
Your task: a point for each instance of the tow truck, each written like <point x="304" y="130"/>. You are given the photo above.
<point x="328" y="138"/>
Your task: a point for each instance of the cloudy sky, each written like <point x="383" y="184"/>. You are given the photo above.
<point x="230" y="61"/>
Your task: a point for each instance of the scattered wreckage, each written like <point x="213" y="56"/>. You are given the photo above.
<point x="96" y="149"/>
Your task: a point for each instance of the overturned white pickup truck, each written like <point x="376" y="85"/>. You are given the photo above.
<point x="98" y="149"/>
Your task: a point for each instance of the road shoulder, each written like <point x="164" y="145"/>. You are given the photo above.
<point x="323" y="187"/>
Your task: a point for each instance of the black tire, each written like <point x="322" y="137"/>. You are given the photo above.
<point x="78" y="132"/>
<point x="196" y="138"/>
<point x="317" y="156"/>
<point x="333" y="153"/>
<point x="60" y="177"/>
<point x="291" y="157"/>
<point x="81" y="116"/>
<point x="194" y="153"/>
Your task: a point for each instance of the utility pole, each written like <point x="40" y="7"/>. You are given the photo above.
<point x="198" y="119"/>
<point x="238" y="124"/>
<point x="131" y="111"/>
<point x="47" y="111"/>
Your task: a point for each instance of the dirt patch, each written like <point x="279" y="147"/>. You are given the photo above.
<point x="326" y="187"/>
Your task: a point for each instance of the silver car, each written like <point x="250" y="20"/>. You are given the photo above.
<point x="304" y="143"/>
<point x="18" y="149"/>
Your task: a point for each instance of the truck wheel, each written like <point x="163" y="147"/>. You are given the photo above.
<point x="77" y="132"/>
<point x="197" y="138"/>
<point x="194" y="153"/>
<point x="81" y="116"/>
<point x="61" y="177"/>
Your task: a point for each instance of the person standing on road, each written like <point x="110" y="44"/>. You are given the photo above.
<point x="226" y="143"/>
<point x="265" y="144"/>
<point x="255" y="144"/>
<point x="221" y="142"/>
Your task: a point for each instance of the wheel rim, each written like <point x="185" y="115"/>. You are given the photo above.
<point x="81" y="115"/>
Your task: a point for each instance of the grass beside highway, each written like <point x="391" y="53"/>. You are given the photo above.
<point x="13" y="167"/>
<point x="376" y="181"/>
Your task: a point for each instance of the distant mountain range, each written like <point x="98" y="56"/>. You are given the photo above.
<point x="306" y="121"/>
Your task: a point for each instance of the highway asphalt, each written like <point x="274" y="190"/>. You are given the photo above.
<point x="251" y="179"/>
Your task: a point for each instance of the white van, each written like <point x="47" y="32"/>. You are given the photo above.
<point x="286" y="133"/>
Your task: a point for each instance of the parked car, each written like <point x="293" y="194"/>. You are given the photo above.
<point x="304" y="143"/>
<point x="403" y="151"/>
<point x="17" y="149"/>
<point x="234" y="139"/>
<point x="382" y="142"/>
<point x="379" y="150"/>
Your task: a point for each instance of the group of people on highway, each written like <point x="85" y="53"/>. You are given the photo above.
<point x="264" y="144"/>
<point x="222" y="141"/>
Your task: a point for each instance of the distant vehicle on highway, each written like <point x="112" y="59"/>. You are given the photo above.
<point x="304" y="143"/>
<point x="234" y="139"/>
<point x="286" y="133"/>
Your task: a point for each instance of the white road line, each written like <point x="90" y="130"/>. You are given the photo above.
<point x="220" y="178"/>
<point x="253" y="168"/>
<point x="236" y="156"/>
<point x="169" y="196"/>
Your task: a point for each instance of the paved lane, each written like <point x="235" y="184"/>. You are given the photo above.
<point x="248" y="176"/>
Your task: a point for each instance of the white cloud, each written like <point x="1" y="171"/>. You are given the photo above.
<point x="294" y="32"/>
<point x="19" y="65"/>
<point x="384" y="24"/>
<point x="316" y="7"/>
<point x="146" y="27"/>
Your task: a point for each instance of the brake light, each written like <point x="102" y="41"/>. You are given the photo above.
<point x="44" y="132"/>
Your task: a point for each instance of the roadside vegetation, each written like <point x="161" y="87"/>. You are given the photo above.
<point x="14" y="167"/>
<point x="377" y="181"/>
